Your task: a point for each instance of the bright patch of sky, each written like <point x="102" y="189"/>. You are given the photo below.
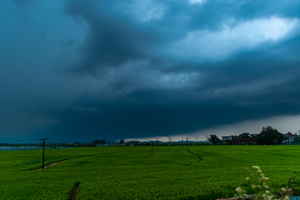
<point x="282" y="123"/>
<point x="148" y="10"/>
<point x="220" y="44"/>
<point x="195" y="1"/>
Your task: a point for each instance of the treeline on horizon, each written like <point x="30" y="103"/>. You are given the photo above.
<point x="268" y="136"/>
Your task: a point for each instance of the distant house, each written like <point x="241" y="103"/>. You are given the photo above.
<point x="232" y="139"/>
<point x="254" y="135"/>
<point x="288" y="138"/>
<point x="224" y="138"/>
<point x="246" y="138"/>
<point x="102" y="145"/>
<point x="241" y="139"/>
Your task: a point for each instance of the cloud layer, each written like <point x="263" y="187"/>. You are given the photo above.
<point x="146" y="68"/>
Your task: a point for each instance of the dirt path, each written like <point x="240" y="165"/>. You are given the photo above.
<point x="75" y="190"/>
<point x="52" y="164"/>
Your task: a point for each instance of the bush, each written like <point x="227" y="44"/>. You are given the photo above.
<point x="258" y="189"/>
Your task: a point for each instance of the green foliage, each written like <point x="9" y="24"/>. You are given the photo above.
<point x="133" y="173"/>
<point x="214" y="139"/>
<point x="297" y="139"/>
<point x="269" y="136"/>
<point x="294" y="183"/>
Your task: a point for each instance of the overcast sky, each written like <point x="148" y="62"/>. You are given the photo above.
<point x="78" y="70"/>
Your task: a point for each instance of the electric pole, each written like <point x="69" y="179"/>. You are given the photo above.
<point x="152" y="147"/>
<point x="44" y="143"/>
<point x="187" y="145"/>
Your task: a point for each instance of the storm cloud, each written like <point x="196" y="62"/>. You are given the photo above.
<point x="81" y="70"/>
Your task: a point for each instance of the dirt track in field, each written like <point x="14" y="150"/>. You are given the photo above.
<point x="52" y="164"/>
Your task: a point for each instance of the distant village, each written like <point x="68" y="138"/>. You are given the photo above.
<point x="268" y="136"/>
<point x="251" y="138"/>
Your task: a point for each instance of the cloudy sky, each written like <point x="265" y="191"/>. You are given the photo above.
<point x="78" y="70"/>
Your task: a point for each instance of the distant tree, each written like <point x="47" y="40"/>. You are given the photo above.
<point x="297" y="139"/>
<point x="122" y="141"/>
<point x="103" y="141"/>
<point x="269" y="135"/>
<point x="99" y="142"/>
<point x="214" y="139"/>
<point x="133" y="142"/>
<point x="244" y="136"/>
<point x="96" y="142"/>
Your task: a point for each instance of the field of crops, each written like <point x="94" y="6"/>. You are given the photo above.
<point x="134" y="173"/>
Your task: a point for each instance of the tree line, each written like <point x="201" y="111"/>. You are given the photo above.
<point x="268" y="136"/>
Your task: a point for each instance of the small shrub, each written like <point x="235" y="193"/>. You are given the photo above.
<point x="258" y="189"/>
<point x="294" y="183"/>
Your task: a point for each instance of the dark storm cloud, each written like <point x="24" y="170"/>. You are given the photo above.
<point x="248" y="85"/>
<point x="117" y="36"/>
<point x="113" y="38"/>
<point x="155" y="68"/>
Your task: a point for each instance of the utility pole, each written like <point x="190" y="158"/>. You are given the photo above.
<point x="44" y="143"/>
<point x="152" y="147"/>
<point x="187" y="145"/>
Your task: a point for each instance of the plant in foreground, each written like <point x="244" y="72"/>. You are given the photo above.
<point x="258" y="189"/>
<point x="294" y="183"/>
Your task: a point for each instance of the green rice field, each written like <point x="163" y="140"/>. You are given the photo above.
<point x="171" y="172"/>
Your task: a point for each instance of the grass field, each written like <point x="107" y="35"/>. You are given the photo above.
<point x="133" y="173"/>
